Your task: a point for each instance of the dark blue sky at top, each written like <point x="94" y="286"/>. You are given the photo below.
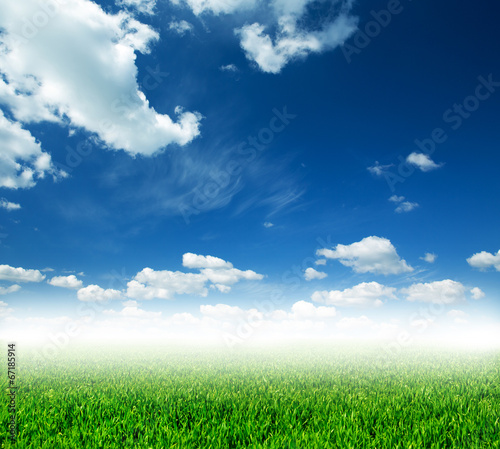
<point x="120" y="213"/>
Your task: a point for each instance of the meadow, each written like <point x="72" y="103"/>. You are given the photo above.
<point x="306" y="397"/>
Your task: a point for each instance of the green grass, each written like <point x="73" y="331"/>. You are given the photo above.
<point x="311" y="397"/>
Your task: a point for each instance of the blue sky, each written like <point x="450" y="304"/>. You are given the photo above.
<point x="246" y="136"/>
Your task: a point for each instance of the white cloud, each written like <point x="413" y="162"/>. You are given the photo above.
<point x="459" y="316"/>
<point x="10" y="289"/>
<point x="180" y="319"/>
<point x="150" y="284"/>
<point x="477" y="293"/>
<point x="422" y="161"/>
<point x="293" y="39"/>
<point x="66" y="281"/>
<point x="230" y="68"/>
<point x="131" y="309"/>
<point x="429" y="257"/>
<point x="230" y="313"/>
<point x="422" y="323"/>
<point x="4" y="310"/>
<point x="320" y="262"/>
<point x="230" y="276"/>
<point x="379" y="170"/>
<point x="143" y="6"/>
<point x="22" y="161"/>
<point x="97" y="90"/>
<point x="190" y="260"/>
<point x="221" y="288"/>
<point x="8" y="273"/>
<point x="268" y="224"/>
<point x="217" y="6"/>
<point x="485" y="260"/>
<point x="403" y="206"/>
<point x="439" y="292"/>
<point x="406" y="206"/>
<point x="180" y="27"/>
<point x="292" y="42"/>
<point x="311" y="274"/>
<point x="370" y="255"/>
<point x="307" y="310"/>
<point x="456" y="313"/>
<point x="4" y="204"/>
<point x="94" y="293"/>
<point x="364" y="294"/>
<point x="354" y="323"/>
<point x="396" y="199"/>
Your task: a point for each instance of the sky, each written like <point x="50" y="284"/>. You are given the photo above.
<point x="239" y="170"/>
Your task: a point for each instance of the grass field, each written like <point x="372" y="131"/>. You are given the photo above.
<point x="309" y="397"/>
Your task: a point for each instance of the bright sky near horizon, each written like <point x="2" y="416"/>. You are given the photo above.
<point x="238" y="169"/>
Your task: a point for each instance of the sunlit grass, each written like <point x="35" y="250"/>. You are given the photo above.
<point x="309" y="397"/>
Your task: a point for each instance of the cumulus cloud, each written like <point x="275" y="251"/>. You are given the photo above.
<point x="348" y="323"/>
<point x="307" y="310"/>
<point x="311" y="274"/>
<point x="293" y="37"/>
<point x="403" y="206"/>
<point x="142" y="6"/>
<point x="8" y="273"/>
<point x="379" y="170"/>
<point x="320" y="262"/>
<point x="94" y="293"/>
<point x="221" y="288"/>
<point x="150" y="284"/>
<point x="396" y="199"/>
<point x="217" y="6"/>
<point x="4" y="204"/>
<point x="87" y="80"/>
<point x="131" y="309"/>
<point x="4" y="309"/>
<point x="190" y="260"/>
<point x="214" y="273"/>
<point x="22" y="160"/>
<point x="459" y="316"/>
<point x="429" y="257"/>
<point x="230" y="276"/>
<point x="10" y="289"/>
<point x="477" y="293"/>
<point x="370" y="255"/>
<point x="406" y="206"/>
<point x="364" y="294"/>
<point x="439" y="292"/>
<point x="231" y="313"/>
<point x="70" y="281"/>
<point x="292" y="40"/>
<point x="456" y="313"/>
<point x="422" y="161"/>
<point x="231" y="68"/>
<point x="180" y="27"/>
<point x="485" y="260"/>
